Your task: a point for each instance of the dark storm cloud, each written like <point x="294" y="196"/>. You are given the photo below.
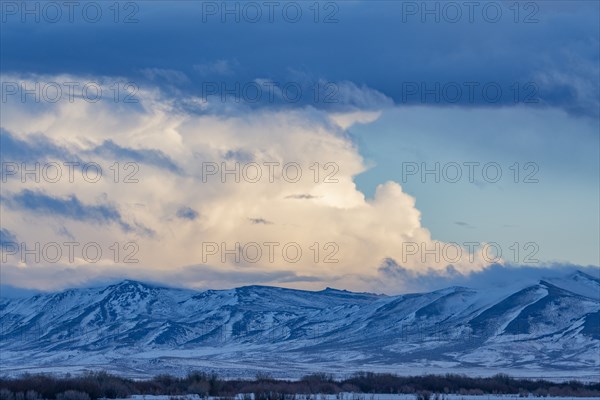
<point x="379" y="43"/>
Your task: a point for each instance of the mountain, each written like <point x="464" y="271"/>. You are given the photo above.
<point x="548" y="329"/>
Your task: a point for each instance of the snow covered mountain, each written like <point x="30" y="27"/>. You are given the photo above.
<point x="551" y="328"/>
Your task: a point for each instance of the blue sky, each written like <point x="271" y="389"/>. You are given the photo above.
<point x="398" y="87"/>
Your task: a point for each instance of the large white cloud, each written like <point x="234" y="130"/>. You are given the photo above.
<point x="175" y="208"/>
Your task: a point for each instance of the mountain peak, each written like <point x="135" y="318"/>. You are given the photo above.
<point x="130" y="284"/>
<point x="334" y="290"/>
<point x="253" y="324"/>
<point x="577" y="275"/>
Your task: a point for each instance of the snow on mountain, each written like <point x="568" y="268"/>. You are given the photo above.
<point x="552" y="327"/>
<point x="580" y="283"/>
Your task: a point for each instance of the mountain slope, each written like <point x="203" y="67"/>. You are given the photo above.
<point x="136" y="328"/>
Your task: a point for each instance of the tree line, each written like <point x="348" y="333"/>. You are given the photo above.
<point x="95" y="385"/>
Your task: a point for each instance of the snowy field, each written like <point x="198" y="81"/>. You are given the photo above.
<point x="180" y="367"/>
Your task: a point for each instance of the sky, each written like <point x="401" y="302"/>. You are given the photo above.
<point x="384" y="146"/>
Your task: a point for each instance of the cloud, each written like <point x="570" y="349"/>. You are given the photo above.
<point x="36" y="148"/>
<point x="339" y="236"/>
<point x="64" y="232"/>
<point x="110" y="150"/>
<point x="187" y="213"/>
<point x="203" y="276"/>
<point x="396" y="279"/>
<point x="168" y="75"/>
<point x="6" y="236"/>
<point x="238" y="155"/>
<point x="218" y="67"/>
<point x="35" y="278"/>
<point x="260" y="221"/>
<point x="301" y="196"/>
<point x="11" y="292"/>
<point x="463" y="224"/>
<point x="392" y="279"/>
<point x="573" y="82"/>
<point x="70" y="208"/>
<point x="39" y="148"/>
<point x="370" y="56"/>
<point x="365" y="99"/>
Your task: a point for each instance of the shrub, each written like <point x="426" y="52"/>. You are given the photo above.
<point x="6" y="394"/>
<point x="423" y="395"/>
<point x="73" y="395"/>
<point x="32" y="395"/>
<point x="200" y="388"/>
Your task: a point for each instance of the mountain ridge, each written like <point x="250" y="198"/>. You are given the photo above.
<point x="139" y="328"/>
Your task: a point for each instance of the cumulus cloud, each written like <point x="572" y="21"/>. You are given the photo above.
<point x="193" y="276"/>
<point x="394" y="278"/>
<point x="235" y="175"/>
